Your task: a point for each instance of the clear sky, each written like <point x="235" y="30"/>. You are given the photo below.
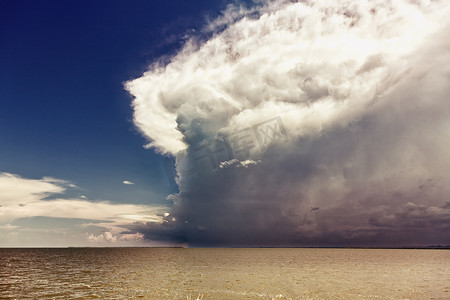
<point x="64" y="112"/>
<point x="256" y="123"/>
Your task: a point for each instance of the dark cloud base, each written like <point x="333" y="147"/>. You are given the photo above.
<point x="322" y="192"/>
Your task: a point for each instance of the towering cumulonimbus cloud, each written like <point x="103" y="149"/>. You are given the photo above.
<point x="308" y="123"/>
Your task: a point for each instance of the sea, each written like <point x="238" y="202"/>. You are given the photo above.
<point x="224" y="273"/>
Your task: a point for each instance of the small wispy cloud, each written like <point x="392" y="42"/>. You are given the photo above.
<point x="127" y="182"/>
<point x="235" y="163"/>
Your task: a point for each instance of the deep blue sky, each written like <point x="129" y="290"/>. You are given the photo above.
<point x="64" y="112"/>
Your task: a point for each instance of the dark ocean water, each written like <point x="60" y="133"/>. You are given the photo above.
<point x="177" y="273"/>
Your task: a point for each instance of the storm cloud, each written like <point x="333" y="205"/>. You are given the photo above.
<point x="313" y="123"/>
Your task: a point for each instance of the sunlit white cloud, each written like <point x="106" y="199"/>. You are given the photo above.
<point x="320" y="64"/>
<point x="127" y="182"/>
<point x="108" y="237"/>
<point x="17" y="190"/>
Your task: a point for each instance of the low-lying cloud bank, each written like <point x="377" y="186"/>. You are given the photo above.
<point x="308" y="123"/>
<point x="28" y="205"/>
